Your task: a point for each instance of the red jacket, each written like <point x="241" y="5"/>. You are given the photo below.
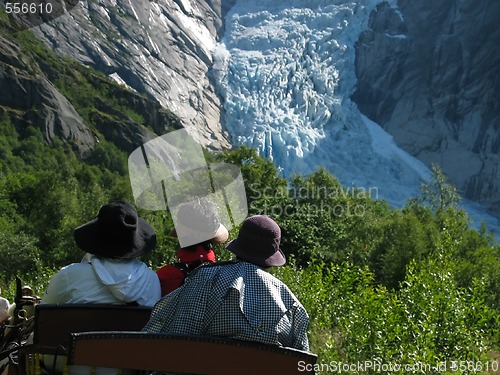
<point x="172" y="275"/>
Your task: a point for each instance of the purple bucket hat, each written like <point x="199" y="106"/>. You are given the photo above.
<point x="258" y="242"/>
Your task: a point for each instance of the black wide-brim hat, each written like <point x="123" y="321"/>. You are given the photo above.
<point x="116" y="232"/>
<point x="258" y="242"/>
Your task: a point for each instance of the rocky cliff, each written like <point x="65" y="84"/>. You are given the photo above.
<point x="159" y="48"/>
<point x="28" y="97"/>
<point x="69" y="102"/>
<point x="429" y="73"/>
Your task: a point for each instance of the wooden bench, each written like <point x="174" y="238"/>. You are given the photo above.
<point x="54" y="323"/>
<point x="186" y="354"/>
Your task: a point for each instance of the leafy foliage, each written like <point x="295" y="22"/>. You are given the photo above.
<point x="393" y="285"/>
<point x="408" y="286"/>
<point x="428" y="321"/>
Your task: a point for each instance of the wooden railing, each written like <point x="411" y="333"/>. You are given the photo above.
<point x="186" y="354"/>
<point x="54" y="323"/>
<point x="109" y="336"/>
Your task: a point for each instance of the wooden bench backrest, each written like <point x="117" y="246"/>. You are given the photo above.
<point x="186" y="354"/>
<point x="54" y="323"/>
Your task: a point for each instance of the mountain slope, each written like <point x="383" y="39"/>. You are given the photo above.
<point x="160" y="49"/>
<point x="286" y="73"/>
<point x="70" y="102"/>
<point x="279" y="76"/>
<point x="429" y="73"/>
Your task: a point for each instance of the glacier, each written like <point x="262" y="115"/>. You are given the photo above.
<point x="285" y="71"/>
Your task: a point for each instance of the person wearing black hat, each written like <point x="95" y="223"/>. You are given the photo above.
<point x="110" y="272"/>
<point x="238" y="299"/>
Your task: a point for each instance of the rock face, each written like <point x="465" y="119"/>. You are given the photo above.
<point x="159" y="48"/>
<point x="30" y="98"/>
<point x="38" y="89"/>
<point x="429" y="73"/>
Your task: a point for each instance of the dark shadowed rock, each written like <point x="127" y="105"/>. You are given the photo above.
<point x="30" y="98"/>
<point x="429" y="73"/>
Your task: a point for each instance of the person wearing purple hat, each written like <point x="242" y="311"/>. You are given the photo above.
<point x="238" y="299"/>
<point x="258" y="242"/>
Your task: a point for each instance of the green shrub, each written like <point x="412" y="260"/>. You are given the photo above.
<point x="429" y="320"/>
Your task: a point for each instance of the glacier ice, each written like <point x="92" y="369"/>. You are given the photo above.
<point x="285" y="70"/>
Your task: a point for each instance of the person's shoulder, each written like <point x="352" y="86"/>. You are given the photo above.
<point x="167" y="270"/>
<point x="215" y="271"/>
<point x="74" y="268"/>
<point x="247" y="271"/>
<point x="271" y="281"/>
<point x="236" y="266"/>
<point x="218" y="266"/>
<point x="270" y="278"/>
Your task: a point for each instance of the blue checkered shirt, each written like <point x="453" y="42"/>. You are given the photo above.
<point x="237" y="300"/>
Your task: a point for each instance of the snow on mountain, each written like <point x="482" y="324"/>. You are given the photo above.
<point x="286" y="73"/>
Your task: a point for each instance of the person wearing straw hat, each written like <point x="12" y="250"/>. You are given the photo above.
<point x="110" y="272"/>
<point x="238" y="299"/>
<point x="198" y="227"/>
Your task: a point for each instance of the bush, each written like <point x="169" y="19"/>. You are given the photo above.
<point x="429" y="320"/>
<point x="19" y="254"/>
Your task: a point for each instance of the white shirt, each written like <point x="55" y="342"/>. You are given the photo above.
<point x="103" y="280"/>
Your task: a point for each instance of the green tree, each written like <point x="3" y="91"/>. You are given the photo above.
<point x="261" y="177"/>
<point x="404" y="240"/>
<point x="438" y="193"/>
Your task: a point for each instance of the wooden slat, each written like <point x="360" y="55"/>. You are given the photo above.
<point x="185" y="354"/>
<point x="54" y="323"/>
